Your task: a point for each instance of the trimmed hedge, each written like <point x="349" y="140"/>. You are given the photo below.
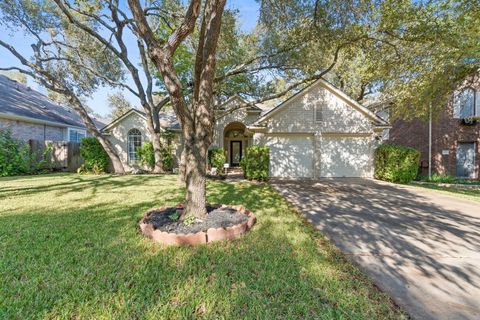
<point x="216" y="159"/>
<point x="256" y="163"/>
<point x="96" y="159"/>
<point x="396" y="163"/>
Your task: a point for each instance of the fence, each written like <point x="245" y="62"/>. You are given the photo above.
<point x="64" y="155"/>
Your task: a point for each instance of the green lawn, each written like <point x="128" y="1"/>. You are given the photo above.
<point x="70" y="248"/>
<point x="463" y="193"/>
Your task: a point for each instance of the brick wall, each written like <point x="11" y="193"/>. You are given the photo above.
<point x="31" y="131"/>
<point x="447" y="132"/>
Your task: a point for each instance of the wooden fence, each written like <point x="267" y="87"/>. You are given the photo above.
<point x="64" y="155"/>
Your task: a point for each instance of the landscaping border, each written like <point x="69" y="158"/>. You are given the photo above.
<point x="212" y="234"/>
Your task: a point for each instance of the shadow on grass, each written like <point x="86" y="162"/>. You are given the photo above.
<point x="91" y="262"/>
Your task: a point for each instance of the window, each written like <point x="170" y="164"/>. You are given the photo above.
<point x="76" y="135"/>
<point x="464" y="104"/>
<point x="318" y="113"/>
<point x="134" y="142"/>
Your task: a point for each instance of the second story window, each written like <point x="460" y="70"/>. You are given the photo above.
<point x="464" y="104"/>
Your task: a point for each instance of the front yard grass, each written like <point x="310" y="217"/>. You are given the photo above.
<point x="70" y="248"/>
<point x="472" y="194"/>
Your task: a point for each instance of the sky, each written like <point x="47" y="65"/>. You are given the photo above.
<point x="248" y="16"/>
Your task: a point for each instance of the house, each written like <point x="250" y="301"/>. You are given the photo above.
<point x="318" y="132"/>
<point x="455" y="137"/>
<point x="30" y="115"/>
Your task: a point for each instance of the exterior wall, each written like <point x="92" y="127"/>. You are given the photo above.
<point x="299" y="114"/>
<point x="119" y="135"/>
<point x="240" y="115"/>
<point x="447" y="132"/>
<point x="32" y="131"/>
<point x="342" y="125"/>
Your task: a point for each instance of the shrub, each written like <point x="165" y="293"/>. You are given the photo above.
<point x="216" y="159"/>
<point x="256" y="163"/>
<point x="96" y="159"/>
<point x="14" y="155"/>
<point x="441" y="178"/>
<point x="147" y="156"/>
<point x="396" y="163"/>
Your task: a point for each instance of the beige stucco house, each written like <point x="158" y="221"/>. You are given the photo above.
<point x="318" y="132"/>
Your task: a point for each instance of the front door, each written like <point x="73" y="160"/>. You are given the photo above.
<point x="235" y="153"/>
<point x="466" y="160"/>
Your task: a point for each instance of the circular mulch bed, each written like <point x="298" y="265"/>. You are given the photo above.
<point x="221" y="223"/>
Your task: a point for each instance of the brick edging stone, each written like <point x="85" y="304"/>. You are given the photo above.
<point x="212" y="234"/>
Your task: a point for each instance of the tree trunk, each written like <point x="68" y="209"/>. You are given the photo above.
<point x="195" y="179"/>
<point x="156" y="143"/>
<point x="181" y="168"/>
<point x="116" y="162"/>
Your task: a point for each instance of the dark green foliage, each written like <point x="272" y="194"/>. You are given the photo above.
<point x="216" y="159"/>
<point x="445" y="178"/>
<point x="96" y="159"/>
<point x="396" y="163"/>
<point x="167" y="157"/>
<point x="14" y="155"/>
<point x="256" y="163"/>
<point x="16" y="158"/>
<point x="147" y="156"/>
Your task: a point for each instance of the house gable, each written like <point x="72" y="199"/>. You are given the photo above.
<point x="122" y="118"/>
<point x="320" y="108"/>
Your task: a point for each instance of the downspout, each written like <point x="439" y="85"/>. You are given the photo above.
<point x="430" y="142"/>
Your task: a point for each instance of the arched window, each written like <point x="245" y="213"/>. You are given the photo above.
<point x="134" y="142"/>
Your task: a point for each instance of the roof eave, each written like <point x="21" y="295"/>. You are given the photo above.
<point x="38" y="121"/>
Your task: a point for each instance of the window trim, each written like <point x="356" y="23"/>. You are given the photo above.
<point x="130" y="152"/>
<point x="82" y="131"/>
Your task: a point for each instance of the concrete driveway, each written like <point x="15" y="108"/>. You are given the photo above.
<point x="422" y="247"/>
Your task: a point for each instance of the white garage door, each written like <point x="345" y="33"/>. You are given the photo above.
<point x="291" y="156"/>
<point x="346" y="157"/>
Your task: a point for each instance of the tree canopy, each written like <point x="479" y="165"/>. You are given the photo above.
<point x="409" y="54"/>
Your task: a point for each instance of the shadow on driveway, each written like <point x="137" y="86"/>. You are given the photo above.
<point x="422" y="247"/>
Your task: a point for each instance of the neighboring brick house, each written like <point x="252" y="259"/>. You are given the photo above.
<point x="455" y="142"/>
<point x="318" y="132"/>
<point x="30" y="115"/>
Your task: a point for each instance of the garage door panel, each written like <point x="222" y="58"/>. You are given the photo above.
<point x="291" y="156"/>
<point x="346" y="157"/>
